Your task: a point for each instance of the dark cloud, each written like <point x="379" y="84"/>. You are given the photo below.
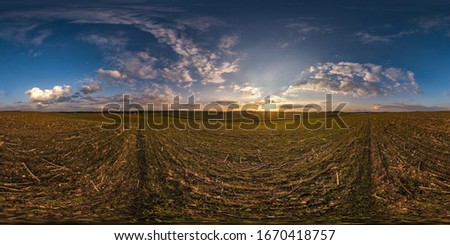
<point x="63" y="99"/>
<point x="76" y="95"/>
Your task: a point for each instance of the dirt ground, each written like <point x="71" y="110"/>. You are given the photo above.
<point x="389" y="168"/>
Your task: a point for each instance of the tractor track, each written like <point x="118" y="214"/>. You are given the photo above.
<point x="141" y="158"/>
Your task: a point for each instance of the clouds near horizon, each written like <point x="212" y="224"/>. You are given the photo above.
<point x="355" y="79"/>
<point x="49" y="96"/>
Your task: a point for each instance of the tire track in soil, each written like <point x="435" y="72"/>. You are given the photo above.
<point x="142" y="167"/>
<point x="362" y="203"/>
<point x="141" y="157"/>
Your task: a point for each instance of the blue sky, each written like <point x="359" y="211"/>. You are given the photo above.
<point x="383" y="56"/>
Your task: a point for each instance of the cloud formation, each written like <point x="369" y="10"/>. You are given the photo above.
<point x="203" y="23"/>
<point x="366" y="37"/>
<point x="104" y="41"/>
<point x="304" y="29"/>
<point x="192" y="61"/>
<point x="49" y="96"/>
<point x="225" y="102"/>
<point x="358" y="80"/>
<point x="89" y="89"/>
<point x="435" y="23"/>
<point x="228" y="41"/>
<point x="158" y="93"/>
<point x="40" y="36"/>
<point x="208" y="65"/>
<point x="407" y="107"/>
<point x="247" y="91"/>
<point x="109" y="74"/>
<point x="25" y="32"/>
<point x="61" y="98"/>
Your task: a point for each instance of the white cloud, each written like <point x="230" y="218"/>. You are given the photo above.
<point x="306" y="29"/>
<point x="193" y="63"/>
<point x="209" y="66"/>
<point x="220" y="89"/>
<point x="88" y="89"/>
<point x="355" y="79"/>
<point x="369" y="72"/>
<point x="24" y="33"/>
<point x="248" y="91"/>
<point x="40" y="37"/>
<point x="373" y="73"/>
<point x="213" y="72"/>
<point x="109" y="74"/>
<point x="17" y="31"/>
<point x="284" y="45"/>
<point x="366" y="37"/>
<point x="394" y="74"/>
<point x="436" y="23"/>
<point x="48" y="96"/>
<point x="153" y="93"/>
<point x="34" y="53"/>
<point x="235" y="87"/>
<point x="159" y="93"/>
<point x="105" y="42"/>
<point x="138" y="65"/>
<point x="199" y="23"/>
<point x="41" y="105"/>
<point x="177" y="73"/>
<point x="270" y="99"/>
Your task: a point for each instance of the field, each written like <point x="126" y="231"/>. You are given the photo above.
<point x="388" y="168"/>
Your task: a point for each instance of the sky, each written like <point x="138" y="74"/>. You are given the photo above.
<point x="80" y="55"/>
